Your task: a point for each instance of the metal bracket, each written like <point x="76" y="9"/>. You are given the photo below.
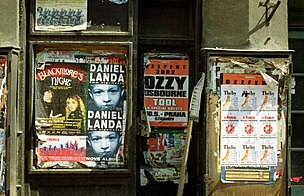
<point x="268" y="6"/>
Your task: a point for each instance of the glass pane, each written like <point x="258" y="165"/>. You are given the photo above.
<point x="296" y="13"/>
<point x="108" y="15"/>
<point x="295" y="5"/>
<point x="298" y="56"/>
<point x="297" y="137"/>
<point x="297" y="166"/>
<point x="296" y="19"/>
<point x="297" y="99"/>
<point x="164" y="19"/>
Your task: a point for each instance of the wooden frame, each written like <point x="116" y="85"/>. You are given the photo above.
<point x="130" y="146"/>
<point x="88" y="32"/>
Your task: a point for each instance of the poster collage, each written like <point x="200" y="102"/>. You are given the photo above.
<point x="249" y="127"/>
<point x="80" y="108"/>
<point x="166" y="91"/>
<point x="249" y="124"/>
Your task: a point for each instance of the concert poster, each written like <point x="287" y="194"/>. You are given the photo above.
<point x="60" y="99"/>
<point x="166" y="91"/>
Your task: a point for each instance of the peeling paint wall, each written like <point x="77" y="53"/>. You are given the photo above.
<point x="275" y="34"/>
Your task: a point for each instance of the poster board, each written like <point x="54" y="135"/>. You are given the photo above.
<point x="245" y="134"/>
<point x="80" y="107"/>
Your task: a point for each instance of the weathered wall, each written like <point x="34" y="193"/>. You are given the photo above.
<point x="9" y="23"/>
<point x="238" y="24"/>
<point x="275" y="35"/>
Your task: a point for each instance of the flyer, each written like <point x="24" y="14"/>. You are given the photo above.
<point x="249" y="125"/>
<point x="52" y="148"/>
<point x="63" y="15"/>
<point x="163" y="156"/>
<point x="159" y="175"/>
<point x="165" y="149"/>
<point x="166" y="91"/>
<point x="3" y="89"/>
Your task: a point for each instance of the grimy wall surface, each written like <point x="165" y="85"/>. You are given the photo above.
<point x="9" y="23"/>
<point x="242" y="24"/>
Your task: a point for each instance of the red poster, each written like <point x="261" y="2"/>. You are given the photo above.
<point x="166" y="92"/>
<point x="62" y="148"/>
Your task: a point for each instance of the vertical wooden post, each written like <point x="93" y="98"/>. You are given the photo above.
<point x="182" y="179"/>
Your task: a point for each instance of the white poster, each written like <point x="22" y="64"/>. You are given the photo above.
<point x="61" y="15"/>
<point x="249" y="125"/>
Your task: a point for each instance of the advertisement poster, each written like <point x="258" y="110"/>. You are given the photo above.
<point x="60" y="98"/>
<point x="80" y="108"/>
<point x="63" y="15"/>
<point x="249" y="125"/>
<point x="61" y="148"/>
<point x="166" y="91"/>
<point x="107" y="110"/>
<point x="159" y="175"/>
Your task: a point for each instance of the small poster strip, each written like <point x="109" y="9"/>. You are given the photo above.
<point x="249" y="125"/>
<point x="61" y="148"/>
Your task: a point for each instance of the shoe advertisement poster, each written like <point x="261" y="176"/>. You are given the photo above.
<point x="248" y="123"/>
